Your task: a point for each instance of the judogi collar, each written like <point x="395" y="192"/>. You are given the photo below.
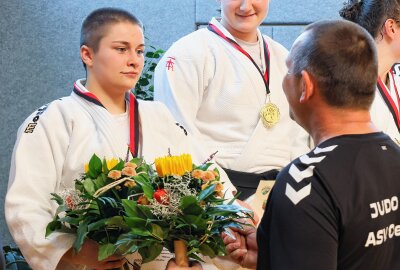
<point x="81" y="91"/>
<point x="215" y="27"/>
<point x="384" y="91"/>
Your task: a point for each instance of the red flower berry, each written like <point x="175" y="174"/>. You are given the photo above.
<point x="161" y="196"/>
<point x="69" y="202"/>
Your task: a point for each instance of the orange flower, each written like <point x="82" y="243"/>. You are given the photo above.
<point x="130" y="184"/>
<point x="219" y="187"/>
<point x="197" y="174"/>
<point x="129" y="171"/>
<point x="218" y="190"/>
<point x="143" y="200"/>
<point x="208" y="176"/>
<point x="114" y="174"/>
<point x="219" y="194"/>
<point x="130" y="165"/>
<point x="215" y="173"/>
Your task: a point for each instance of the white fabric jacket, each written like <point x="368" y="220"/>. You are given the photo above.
<point x="51" y="148"/>
<point x="217" y="93"/>
<point x="380" y="113"/>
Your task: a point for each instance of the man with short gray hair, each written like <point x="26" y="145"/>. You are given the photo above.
<point x="336" y="207"/>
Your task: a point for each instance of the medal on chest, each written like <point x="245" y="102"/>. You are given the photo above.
<point x="269" y="114"/>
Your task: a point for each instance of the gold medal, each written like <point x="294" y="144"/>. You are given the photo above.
<point x="269" y="115"/>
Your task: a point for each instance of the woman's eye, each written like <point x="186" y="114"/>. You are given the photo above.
<point x="121" y="49"/>
<point x="140" y="52"/>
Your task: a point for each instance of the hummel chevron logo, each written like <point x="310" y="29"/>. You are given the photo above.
<point x="318" y="150"/>
<point x="300" y="175"/>
<point x="307" y="160"/>
<point x="297" y="196"/>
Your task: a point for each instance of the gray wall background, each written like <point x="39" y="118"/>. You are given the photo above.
<point x="39" y="49"/>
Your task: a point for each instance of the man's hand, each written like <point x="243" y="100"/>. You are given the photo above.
<point x="243" y="247"/>
<point x="194" y="265"/>
<point x="88" y="256"/>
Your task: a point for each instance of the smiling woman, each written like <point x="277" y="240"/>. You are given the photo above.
<point x="224" y="83"/>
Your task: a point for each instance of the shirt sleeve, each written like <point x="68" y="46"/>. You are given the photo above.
<point x="180" y="80"/>
<point x="299" y="229"/>
<point x="36" y="168"/>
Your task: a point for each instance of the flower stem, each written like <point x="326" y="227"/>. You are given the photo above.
<point x="181" y="257"/>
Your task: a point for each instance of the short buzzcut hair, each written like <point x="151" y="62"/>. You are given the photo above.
<point x="342" y="58"/>
<point x="95" y="25"/>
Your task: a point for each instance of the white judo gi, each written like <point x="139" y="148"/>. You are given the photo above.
<point x="216" y="92"/>
<point x="380" y="113"/>
<point x="51" y="148"/>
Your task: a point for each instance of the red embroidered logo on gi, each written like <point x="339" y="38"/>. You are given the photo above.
<point x="170" y="63"/>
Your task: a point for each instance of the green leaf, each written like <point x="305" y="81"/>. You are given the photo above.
<point x="106" y="250"/>
<point x="108" y="201"/>
<point x="105" y="168"/>
<point x="137" y="161"/>
<point x="145" y="212"/>
<point x="206" y="250"/>
<point x="224" y="210"/>
<point x="144" y="182"/>
<point x="135" y="222"/>
<point x="152" y="67"/>
<point x="194" y="256"/>
<point x="150" y="54"/>
<point x="71" y="220"/>
<point x="95" y="166"/>
<point x="204" y="167"/>
<point x="150" y="253"/>
<point x="62" y="208"/>
<point x="190" y="206"/>
<point x="182" y="226"/>
<point x="208" y="191"/>
<point x="196" y="222"/>
<point x="141" y="232"/>
<point x="187" y="201"/>
<point x="117" y="221"/>
<point x="52" y="226"/>
<point x="125" y="245"/>
<point x="89" y="186"/>
<point x="144" y="81"/>
<point x="97" y="225"/>
<point x="81" y="235"/>
<point x="57" y="198"/>
<point x="99" y="181"/>
<point x="130" y="208"/>
<point x="158" y="232"/>
<point x="119" y="166"/>
<point x="79" y="186"/>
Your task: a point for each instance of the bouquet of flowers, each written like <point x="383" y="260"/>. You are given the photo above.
<point x="131" y="206"/>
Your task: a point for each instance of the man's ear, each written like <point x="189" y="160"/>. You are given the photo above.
<point x="307" y="87"/>
<point x="87" y="55"/>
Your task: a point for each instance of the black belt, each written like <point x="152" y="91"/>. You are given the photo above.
<point x="247" y="183"/>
